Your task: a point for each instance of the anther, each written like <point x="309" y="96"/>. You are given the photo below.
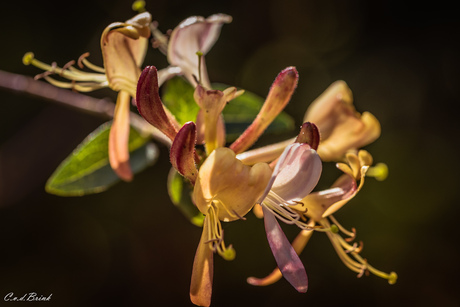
<point x="239" y="216"/>
<point x="363" y="269"/>
<point x="66" y="67"/>
<point x="352" y="235"/>
<point x="81" y="58"/>
<point x="355" y="248"/>
<point x="138" y="6"/>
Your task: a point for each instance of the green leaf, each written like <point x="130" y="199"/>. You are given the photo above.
<point x="87" y="169"/>
<point x="180" y="192"/>
<point x="177" y="95"/>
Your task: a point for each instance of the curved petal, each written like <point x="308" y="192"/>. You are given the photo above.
<point x="228" y="184"/>
<point x="124" y="45"/>
<point x="151" y="107"/>
<point x="296" y="173"/>
<point x="341" y="127"/>
<point x="286" y="258"/>
<point x="298" y="244"/>
<point x="182" y="153"/>
<point x="191" y="35"/>
<point x="330" y="200"/>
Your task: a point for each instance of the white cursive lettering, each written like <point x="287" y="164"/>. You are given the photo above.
<point x="28" y="297"/>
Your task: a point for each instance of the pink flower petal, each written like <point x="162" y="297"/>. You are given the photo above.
<point x="286" y="258"/>
<point x="297" y="172"/>
<point x="191" y="35"/>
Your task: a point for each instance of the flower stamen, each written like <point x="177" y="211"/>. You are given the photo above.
<point x="285" y="211"/>
<point x="351" y="234"/>
<point x="216" y="234"/>
<point x="349" y="254"/>
<point x="79" y="80"/>
<point x="378" y="171"/>
<point x="83" y="61"/>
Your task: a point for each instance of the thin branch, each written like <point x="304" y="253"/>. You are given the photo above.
<point x="101" y="107"/>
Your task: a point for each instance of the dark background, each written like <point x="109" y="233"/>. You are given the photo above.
<point x="130" y="247"/>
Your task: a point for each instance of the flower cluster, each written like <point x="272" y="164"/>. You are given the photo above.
<point x="229" y="179"/>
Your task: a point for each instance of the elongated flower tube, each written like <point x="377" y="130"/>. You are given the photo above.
<point x="194" y="34"/>
<point x="295" y="175"/>
<point x="225" y="190"/>
<point x="151" y="107"/>
<point x="278" y="97"/>
<point x="319" y="206"/>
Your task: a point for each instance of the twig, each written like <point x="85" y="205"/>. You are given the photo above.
<point x="101" y="107"/>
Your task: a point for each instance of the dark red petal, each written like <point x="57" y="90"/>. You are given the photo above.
<point x="149" y="102"/>
<point x="182" y="154"/>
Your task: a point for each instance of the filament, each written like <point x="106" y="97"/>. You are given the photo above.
<point x="283" y="211"/>
<point x="216" y="234"/>
<point x="349" y="254"/>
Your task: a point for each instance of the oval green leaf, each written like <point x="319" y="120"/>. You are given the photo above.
<point x="87" y="170"/>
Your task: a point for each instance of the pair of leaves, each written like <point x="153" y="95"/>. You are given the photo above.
<point x="87" y="170"/>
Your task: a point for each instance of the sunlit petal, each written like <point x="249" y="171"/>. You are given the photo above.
<point x="119" y="137"/>
<point x="124" y="45"/>
<point x="225" y="182"/>
<point x="190" y="36"/>
<point x="341" y="127"/>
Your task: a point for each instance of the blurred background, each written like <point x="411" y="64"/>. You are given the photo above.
<point x="129" y="246"/>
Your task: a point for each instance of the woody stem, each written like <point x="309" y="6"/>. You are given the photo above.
<point x="101" y="107"/>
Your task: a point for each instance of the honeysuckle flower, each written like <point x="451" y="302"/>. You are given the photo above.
<point x="225" y="190"/>
<point x="123" y="46"/>
<point x="319" y="206"/>
<point x="192" y="35"/>
<point x="295" y="175"/>
<point x="341" y="127"/>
